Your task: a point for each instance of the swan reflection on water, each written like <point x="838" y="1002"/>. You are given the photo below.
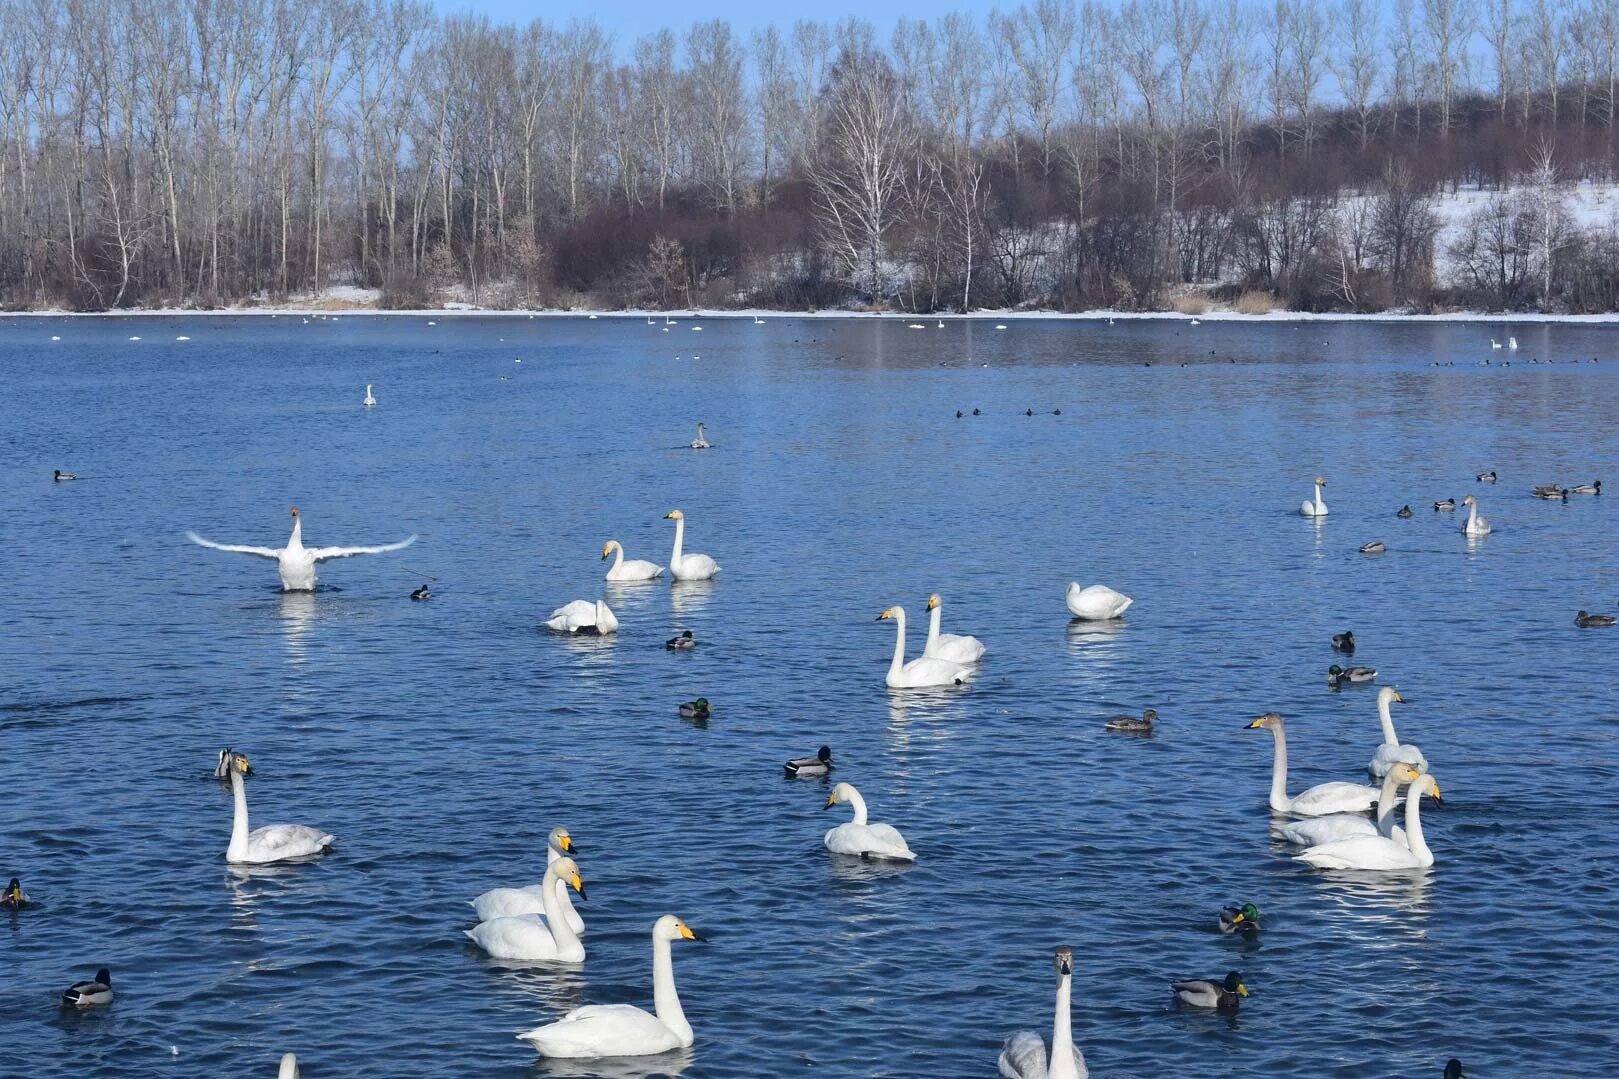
<point x="665" y="1065"/>
<point x="297" y="619"/>
<point x="853" y="869"/>
<point x="689" y="598"/>
<point x="1096" y="642"/>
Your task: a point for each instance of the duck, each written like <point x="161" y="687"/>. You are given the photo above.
<point x="13" y="898"/>
<point x="1202" y="994"/>
<point x="1028" y="412"/>
<point x="1551" y="492"/>
<point x="959" y="413"/>
<point x="505" y="902"/>
<point x="296" y="563"/>
<point x="1592" y="488"/>
<point x="420" y="594"/>
<point x="699" y="443"/>
<point x="697" y="709"/>
<point x="1244" y="918"/>
<point x="222" y="767"/>
<point x="978" y="412"/>
<point x="623" y="1030"/>
<point x="636" y="569"/>
<point x="1593" y="621"/>
<point x="583" y="617"/>
<point x="1486" y="477"/>
<point x="1317" y="830"/>
<point x="96" y="991"/>
<point x="818" y="765"/>
<point x="1444" y="505"/>
<point x="1096" y="603"/>
<point x="1378" y="852"/>
<point x="1339" y="676"/>
<point x="957" y="648"/>
<point x="532" y="937"/>
<point x="1344" y="642"/>
<point x="1392" y="751"/>
<point x="1321" y="799"/>
<point x="1314" y="507"/>
<point x="682" y="642"/>
<point x="1374" y="547"/>
<point x="371" y="401"/>
<point x="59" y="476"/>
<point x="857" y="837"/>
<point x="1403" y="512"/>
<point x="1453" y="1067"/>
<point x="1028" y="1055"/>
<point x="919" y="673"/>
<point x="1141" y="724"/>
<point x="273" y="842"/>
<point x="1474" y="525"/>
<point x="687" y="567"/>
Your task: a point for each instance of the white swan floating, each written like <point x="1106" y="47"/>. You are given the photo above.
<point x="1318" y="801"/>
<point x="918" y="673"/>
<point x="859" y="838"/>
<point x="273" y="842"/>
<point x="1317" y="830"/>
<point x="1097" y="602"/>
<point x="1025" y="1054"/>
<point x="1392" y="752"/>
<point x="623" y="1030"/>
<point x="369" y="401"/>
<point x="1314" y="507"/>
<point x="636" y="569"/>
<point x="1375" y="852"/>
<point x="289" y="1067"/>
<point x="295" y="562"/>
<point x="506" y="902"/>
<point x="687" y="567"/>
<point x="954" y="647"/>
<point x="530" y="937"/>
<point x="1474" y="525"/>
<point x="699" y="443"/>
<point x="594" y="619"/>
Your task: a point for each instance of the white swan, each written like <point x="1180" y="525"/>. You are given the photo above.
<point x="505" y="902"/>
<point x="295" y="562"/>
<point x="1512" y="343"/>
<point x="1474" y="525"/>
<point x="369" y="400"/>
<point x="1392" y="752"/>
<point x="1097" y="602"/>
<point x="1315" y="507"/>
<point x="582" y="616"/>
<point x="636" y="569"/>
<point x="699" y="443"/>
<point x="918" y="673"/>
<point x="1318" y="801"/>
<point x="858" y="837"/>
<point x="952" y="646"/>
<point x="531" y="937"/>
<point x="1380" y="852"/>
<point x="687" y="567"/>
<point x="289" y="1067"/>
<point x="623" y="1030"/>
<point x="1317" y="830"/>
<point x="1024" y="1054"/>
<point x="273" y="842"/>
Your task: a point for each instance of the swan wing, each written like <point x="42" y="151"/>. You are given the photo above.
<point x="507" y="902"/>
<point x="1337" y="797"/>
<point x="321" y="554"/>
<point x="603" y="1030"/>
<point x="958" y="648"/>
<point x="1360" y="852"/>
<point x="1023" y="1056"/>
<point x="571" y="617"/>
<point x="520" y="936"/>
<point x="1318" y="830"/>
<point x="889" y="836"/>
<point x="931" y="671"/>
<point x="235" y="548"/>
<point x="275" y="842"/>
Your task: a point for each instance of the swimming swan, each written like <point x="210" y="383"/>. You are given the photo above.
<point x="273" y="842"/>
<point x="1315" y="507"/>
<point x="1474" y="525"/>
<point x="1380" y="852"/>
<point x="295" y="562"/>
<point x="636" y="569"/>
<point x="918" y="673"/>
<point x="687" y="567"/>
<point x="623" y="1030"/>
<point x="955" y="647"/>
<point x="1317" y="830"/>
<point x="699" y="443"/>
<point x="289" y="1067"/>
<point x="1318" y="801"/>
<point x="858" y="837"/>
<point x="506" y="902"/>
<point x="1096" y="602"/>
<point x="1024" y="1055"/>
<point x="1391" y="752"/>
<point x="531" y="937"/>
<point x="369" y="400"/>
<point x="582" y="616"/>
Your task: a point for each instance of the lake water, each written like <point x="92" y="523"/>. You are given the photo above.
<point x="441" y="741"/>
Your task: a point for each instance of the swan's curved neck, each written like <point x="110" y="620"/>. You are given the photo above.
<point x="933" y="631"/>
<point x="1386" y="802"/>
<point x="297" y="540"/>
<point x="1472" y="515"/>
<point x="1389" y="737"/>
<point x="858" y="804"/>
<point x="238" y="829"/>
<point x="1062" y="1038"/>
<point x="551" y="902"/>
<point x="618" y="560"/>
<point x="1279" y="800"/>
<point x="1413" y="825"/>
<point x="561" y="889"/>
<point x="665" y="1001"/>
<point x="680" y="540"/>
<point x="899" y="642"/>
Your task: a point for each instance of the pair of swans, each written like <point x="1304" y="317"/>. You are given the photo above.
<point x="1314" y="507"/>
<point x="591" y="617"/>
<point x="507" y="902"/>
<point x="295" y="562"/>
<point x="636" y="569"/>
<point x="1317" y="830"/>
<point x="273" y="842"/>
<point x="533" y="937"/>
<point x="1318" y="801"/>
<point x="1096" y="603"/>
<point x="623" y="1030"/>
<point x="926" y="671"/>
<point x="1376" y="852"/>
<point x="1474" y="525"/>
<point x="860" y="838"/>
<point x="1026" y="1055"/>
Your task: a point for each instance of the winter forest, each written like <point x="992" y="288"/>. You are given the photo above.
<point x="1359" y="155"/>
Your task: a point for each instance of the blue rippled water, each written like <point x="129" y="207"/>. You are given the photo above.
<point x="441" y="741"/>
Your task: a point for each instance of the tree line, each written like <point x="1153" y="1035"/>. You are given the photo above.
<point x="1059" y="154"/>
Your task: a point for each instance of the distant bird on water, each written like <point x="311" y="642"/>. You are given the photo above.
<point x="421" y="594"/>
<point x="818" y="765"/>
<point x="1593" y="621"/>
<point x="369" y="399"/>
<point x="1403" y="511"/>
<point x="699" y="443"/>
<point x="1344" y="642"/>
<point x="61" y="477"/>
<point x="295" y="562"/>
<point x="1486" y="477"/>
<point x="96" y="991"/>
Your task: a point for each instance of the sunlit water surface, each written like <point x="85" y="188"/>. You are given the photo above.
<point x="440" y="741"/>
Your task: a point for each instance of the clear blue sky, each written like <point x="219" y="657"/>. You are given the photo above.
<point x="626" y="19"/>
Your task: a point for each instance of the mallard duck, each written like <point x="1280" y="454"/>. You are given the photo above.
<point x="1344" y="642"/>
<point x="1445" y="505"/>
<point x="818" y="765"/>
<point x="1403" y="511"/>
<point x="1592" y="488"/>
<point x="685" y="640"/>
<point x="1486" y="477"/>
<point x="1551" y="492"/>
<point x="222" y="768"/>
<point x="1340" y="675"/>
<point x="13" y="898"/>
<point x="1593" y="621"/>
<point x="1453" y="1069"/>
<point x="1212" y="994"/>
<point x="60" y="477"/>
<point x="1134" y="724"/>
<point x="978" y="412"/>
<point x="697" y="709"/>
<point x="88" y="994"/>
<point x="421" y="594"/>
<point x="1374" y="547"/>
<point x="1244" y="918"/>
<point x="959" y="413"/>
